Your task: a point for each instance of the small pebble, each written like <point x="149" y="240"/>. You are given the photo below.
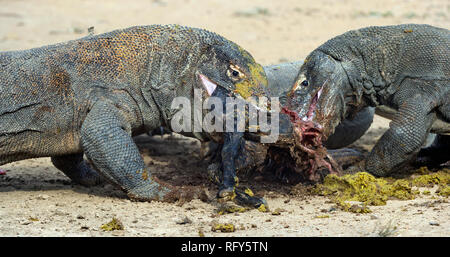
<point x="42" y="197"/>
<point x="184" y="220"/>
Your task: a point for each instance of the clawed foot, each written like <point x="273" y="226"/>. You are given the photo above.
<point x="241" y="197"/>
<point x="247" y="198"/>
<point x="156" y="190"/>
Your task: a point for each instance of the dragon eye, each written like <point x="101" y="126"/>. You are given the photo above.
<point x="305" y="83"/>
<point x="235" y="73"/>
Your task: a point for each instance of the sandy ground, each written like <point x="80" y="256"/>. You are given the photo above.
<point x="38" y="200"/>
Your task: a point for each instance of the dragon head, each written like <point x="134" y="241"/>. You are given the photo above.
<point x="320" y="90"/>
<point x="229" y="66"/>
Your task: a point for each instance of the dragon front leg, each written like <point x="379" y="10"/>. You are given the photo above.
<point x="107" y="142"/>
<point x="404" y="138"/>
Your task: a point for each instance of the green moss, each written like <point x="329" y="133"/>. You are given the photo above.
<point x="223" y="227"/>
<point x="426" y="192"/>
<point x="365" y="188"/>
<point x="361" y="187"/>
<point x="400" y="189"/>
<point x="441" y="177"/>
<point x="114" y="224"/>
<point x="443" y="190"/>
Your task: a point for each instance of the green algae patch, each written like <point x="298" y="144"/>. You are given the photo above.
<point x="429" y="179"/>
<point x="361" y="187"/>
<point x="114" y="224"/>
<point x="223" y="227"/>
<point x="443" y="190"/>
<point x="371" y="191"/>
<point x="401" y="189"/>
<point x="426" y="192"/>
<point x="365" y="188"/>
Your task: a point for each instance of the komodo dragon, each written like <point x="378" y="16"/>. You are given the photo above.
<point x="404" y="67"/>
<point x="90" y="95"/>
<point x="255" y="156"/>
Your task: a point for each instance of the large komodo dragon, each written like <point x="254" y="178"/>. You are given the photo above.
<point x="91" y="95"/>
<point x="404" y="67"/>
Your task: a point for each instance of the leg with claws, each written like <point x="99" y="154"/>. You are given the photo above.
<point x="232" y="147"/>
<point x="106" y="141"/>
<point x="406" y="134"/>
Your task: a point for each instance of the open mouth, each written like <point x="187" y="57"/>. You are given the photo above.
<point x="210" y="87"/>
<point x="313" y="105"/>
<point x="208" y="84"/>
<point x="309" y="133"/>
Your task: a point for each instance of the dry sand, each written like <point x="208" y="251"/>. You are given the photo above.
<point x="38" y="200"/>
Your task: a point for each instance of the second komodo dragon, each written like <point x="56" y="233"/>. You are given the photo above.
<point x="91" y="95"/>
<point x="403" y="67"/>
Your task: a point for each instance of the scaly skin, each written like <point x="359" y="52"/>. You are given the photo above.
<point x="89" y="96"/>
<point x="281" y="77"/>
<point x="404" y="67"/>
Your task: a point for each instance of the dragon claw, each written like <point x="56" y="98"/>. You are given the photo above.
<point x="241" y="197"/>
<point x="246" y="198"/>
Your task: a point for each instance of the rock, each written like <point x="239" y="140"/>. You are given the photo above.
<point x="183" y="221"/>
<point x="42" y="197"/>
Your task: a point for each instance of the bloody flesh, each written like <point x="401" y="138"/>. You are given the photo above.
<point x="308" y="150"/>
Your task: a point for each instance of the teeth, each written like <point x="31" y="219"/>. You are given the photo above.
<point x="312" y="108"/>
<point x="208" y="84"/>
<point x="319" y="93"/>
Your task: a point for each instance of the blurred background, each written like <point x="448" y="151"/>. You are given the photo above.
<point x="273" y="31"/>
